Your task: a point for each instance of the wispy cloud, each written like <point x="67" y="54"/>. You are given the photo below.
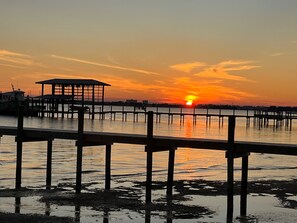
<point x="187" y="67"/>
<point x="42" y="75"/>
<point x="277" y="54"/>
<point x="10" y="65"/>
<point x="208" y="85"/>
<point x="294" y="41"/>
<point x="12" y="58"/>
<point x="218" y="71"/>
<point x="189" y="81"/>
<point x="237" y="65"/>
<point x="219" y="74"/>
<point x="222" y="69"/>
<point x="105" y="65"/>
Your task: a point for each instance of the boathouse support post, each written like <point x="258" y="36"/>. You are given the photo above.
<point x="230" y="168"/>
<point x="53" y="101"/>
<point x="149" y="157"/>
<point x="42" y="101"/>
<point x="19" y="139"/>
<point x="107" y="167"/>
<point x="93" y="102"/>
<point x="79" y="150"/>
<point x="63" y="102"/>
<point x="49" y="164"/>
<point x="72" y="100"/>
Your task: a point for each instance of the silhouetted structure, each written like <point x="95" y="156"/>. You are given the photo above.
<point x="69" y="95"/>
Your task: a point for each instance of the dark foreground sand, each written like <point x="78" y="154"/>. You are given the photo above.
<point x="181" y="207"/>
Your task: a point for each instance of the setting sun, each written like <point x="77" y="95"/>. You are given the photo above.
<point x="189" y="103"/>
<point x="190" y="99"/>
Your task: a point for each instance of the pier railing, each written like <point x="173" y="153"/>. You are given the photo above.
<point x="152" y="144"/>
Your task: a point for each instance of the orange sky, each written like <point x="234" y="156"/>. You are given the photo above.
<point x="222" y="52"/>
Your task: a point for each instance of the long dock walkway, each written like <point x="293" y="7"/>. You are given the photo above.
<point x="260" y="118"/>
<point x="152" y="144"/>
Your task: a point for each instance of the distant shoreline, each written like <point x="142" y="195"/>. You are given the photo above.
<point x="203" y="106"/>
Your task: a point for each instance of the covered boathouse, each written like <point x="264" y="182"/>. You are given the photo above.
<point x="60" y="97"/>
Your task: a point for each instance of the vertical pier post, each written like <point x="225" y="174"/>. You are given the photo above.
<point x="244" y="183"/>
<point x="77" y="213"/>
<point x="19" y="139"/>
<point x="79" y="150"/>
<point x="170" y="171"/>
<point x="206" y="116"/>
<point x="230" y="166"/>
<point x="49" y="164"/>
<point x="169" y="114"/>
<point x="107" y="167"/>
<point x="220" y="115"/>
<point x="17" y="205"/>
<point x="149" y="157"/>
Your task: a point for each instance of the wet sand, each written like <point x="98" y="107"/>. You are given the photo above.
<point x="192" y="201"/>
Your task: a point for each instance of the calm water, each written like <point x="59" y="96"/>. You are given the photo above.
<point x="129" y="161"/>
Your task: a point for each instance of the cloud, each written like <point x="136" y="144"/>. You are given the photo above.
<point x="294" y="41"/>
<point x="187" y="67"/>
<point x="58" y="75"/>
<point x="12" y="58"/>
<point x="217" y="71"/>
<point x="12" y="54"/>
<point x="236" y="65"/>
<point x="222" y="69"/>
<point x="277" y="54"/>
<point x="189" y="81"/>
<point x="104" y="65"/>
<point x="220" y="74"/>
<point x="10" y="65"/>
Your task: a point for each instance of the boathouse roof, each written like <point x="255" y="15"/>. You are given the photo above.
<point x="73" y="82"/>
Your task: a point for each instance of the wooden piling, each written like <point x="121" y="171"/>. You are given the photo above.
<point x="79" y="150"/>
<point x="149" y="169"/>
<point x="170" y="171"/>
<point x="19" y="139"/>
<point x="149" y="157"/>
<point x="230" y="168"/>
<point x="107" y="167"/>
<point x="244" y="184"/>
<point x="17" y="209"/>
<point x="49" y="164"/>
<point x="77" y="213"/>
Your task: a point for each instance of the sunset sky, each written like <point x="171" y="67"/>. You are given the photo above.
<point x="213" y="51"/>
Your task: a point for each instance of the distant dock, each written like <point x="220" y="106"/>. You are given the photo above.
<point x="257" y="117"/>
<point x="152" y="144"/>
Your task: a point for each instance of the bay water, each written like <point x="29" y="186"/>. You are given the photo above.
<point x="129" y="161"/>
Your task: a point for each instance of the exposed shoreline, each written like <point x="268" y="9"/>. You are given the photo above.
<point x="130" y="198"/>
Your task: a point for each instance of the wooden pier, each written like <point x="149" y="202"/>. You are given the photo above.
<point x="152" y="145"/>
<point x="259" y="118"/>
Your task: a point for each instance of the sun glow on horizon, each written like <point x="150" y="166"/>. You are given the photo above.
<point x="190" y="99"/>
<point x="189" y="103"/>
